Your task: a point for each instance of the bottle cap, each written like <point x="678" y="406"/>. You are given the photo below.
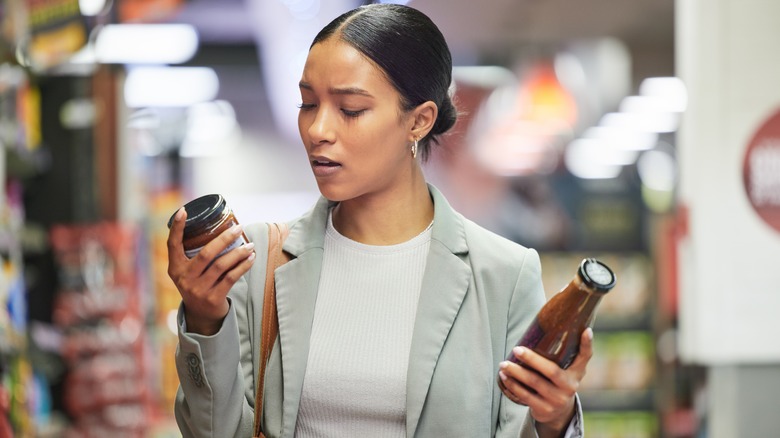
<point x="202" y="210"/>
<point x="596" y="275"/>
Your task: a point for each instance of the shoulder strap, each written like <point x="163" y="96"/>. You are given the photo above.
<point x="277" y="232"/>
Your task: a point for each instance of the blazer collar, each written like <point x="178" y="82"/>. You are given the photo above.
<point x="445" y="282"/>
<point x="447" y="224"/>
<point x="309" y="231"/>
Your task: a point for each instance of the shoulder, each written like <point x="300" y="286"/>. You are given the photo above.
<point x="489" y="247"/>
<point x="487" y="252"/>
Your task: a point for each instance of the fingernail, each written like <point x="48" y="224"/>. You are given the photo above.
<point x="252" y="256"/>
<point x="180" y="214"/>
<point x="589" y="333"/>
<point x="503" y="365"/>
<point x="236" y="229"/>
<point x="502" y="376"/>
<point x="249" y="246"/>
<point x="519" y="351"/>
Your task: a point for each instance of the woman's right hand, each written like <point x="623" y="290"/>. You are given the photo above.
<point x="203" y="285"/>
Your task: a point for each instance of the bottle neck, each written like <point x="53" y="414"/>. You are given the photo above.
<point x="574" y="305"/>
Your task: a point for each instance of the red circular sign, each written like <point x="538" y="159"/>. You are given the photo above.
<point x="761" y="171"/>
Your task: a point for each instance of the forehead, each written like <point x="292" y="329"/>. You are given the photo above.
<point x="335" y="63"/>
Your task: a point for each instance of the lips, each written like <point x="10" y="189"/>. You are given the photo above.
<point x="324" y="167"/>
<point x="326" y="163"/>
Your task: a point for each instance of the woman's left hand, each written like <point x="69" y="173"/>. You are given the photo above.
<point x="552" y="405"/>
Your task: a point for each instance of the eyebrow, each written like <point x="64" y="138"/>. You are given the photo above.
<point x="338" y="91"/>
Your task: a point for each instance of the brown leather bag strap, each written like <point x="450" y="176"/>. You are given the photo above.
<point x="277" y="232"/>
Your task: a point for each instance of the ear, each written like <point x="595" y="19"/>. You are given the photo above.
<point x="423" y="116"/>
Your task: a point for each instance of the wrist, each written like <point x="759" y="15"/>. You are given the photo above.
<point x="556" y="428"/>
<point x="200" y="325"/>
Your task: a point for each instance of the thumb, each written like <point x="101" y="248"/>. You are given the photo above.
<point x="586" y="351"/>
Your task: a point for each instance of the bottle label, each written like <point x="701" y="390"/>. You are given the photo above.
<point x="238" y="242"/>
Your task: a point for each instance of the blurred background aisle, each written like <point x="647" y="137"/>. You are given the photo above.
<point x="643" y="133"/>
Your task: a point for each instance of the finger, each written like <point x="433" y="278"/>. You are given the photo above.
<point x="215" y="248"/>
<point x="225" y="265"/>
<point x="176" y="236"/>
<point x="525" y="376"/>
<point x="536" y="361"/>
<point x="239" y="269"/>
<point x="548" y="379"/>
<point x="206" y="297"/>
<point x="513" y="388"/>
<point x="580" y="362"/>
<point x="526" y="386"/>
<point x="212" y="301"/>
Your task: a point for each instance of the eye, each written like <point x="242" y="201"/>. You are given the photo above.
<point x="350" y="113"/>
<point x="306" y="106"/>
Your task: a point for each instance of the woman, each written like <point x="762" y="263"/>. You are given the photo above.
<point x="395" y="312"/>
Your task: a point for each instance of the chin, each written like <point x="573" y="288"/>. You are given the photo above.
<point x="332" y="194"/>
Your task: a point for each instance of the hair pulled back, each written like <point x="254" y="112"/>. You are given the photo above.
<point x="411" y="51"/>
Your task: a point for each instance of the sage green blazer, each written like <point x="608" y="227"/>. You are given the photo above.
<point x="479" y="292"/>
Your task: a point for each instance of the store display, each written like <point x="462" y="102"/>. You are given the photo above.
<point x="166" y="296"/>
<point x="631" y="424"/>
<point x="57" y="31"/>
<point x="19" y="136"/>
<point x="99" y="309"/>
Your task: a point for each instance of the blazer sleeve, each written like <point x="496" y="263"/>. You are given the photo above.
<point x="527" y="298"/>
<point x="217" y="373"/>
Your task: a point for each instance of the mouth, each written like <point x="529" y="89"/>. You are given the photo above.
<point x="324" y="167"/>
<point x="324" y="162"/>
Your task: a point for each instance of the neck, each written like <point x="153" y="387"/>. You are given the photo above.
<point x="388" y="219"/>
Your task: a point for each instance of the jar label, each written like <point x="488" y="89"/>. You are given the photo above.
<point x="238" y="242"/>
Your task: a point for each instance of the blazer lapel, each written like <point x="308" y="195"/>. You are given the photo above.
<point x="296" y="295"/>
<point x="444" y="286"/>
<point x="297" y="283"/>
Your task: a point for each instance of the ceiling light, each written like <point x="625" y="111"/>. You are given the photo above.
<point x="623" y="138"/>
<point x="589" y="158"/>
<point x="670" y="91"/>
<point x="485" y="76"/>
<point x="146" y="43"/>
<point x="90" y="8"/>
<point x="170" y="86"/>
<point x="647" y="121"/>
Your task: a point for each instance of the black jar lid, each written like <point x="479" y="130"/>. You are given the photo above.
<point x="202" y="210"/>
<point x="596" y="275"/>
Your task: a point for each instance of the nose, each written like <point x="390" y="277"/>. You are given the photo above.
<point x="320" y="129"/>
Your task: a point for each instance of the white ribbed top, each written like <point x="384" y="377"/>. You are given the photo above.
<point x="355" y="383"/>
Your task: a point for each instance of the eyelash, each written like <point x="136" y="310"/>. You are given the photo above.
<point x="348" y="113"/>
<point x="353" y="114"/>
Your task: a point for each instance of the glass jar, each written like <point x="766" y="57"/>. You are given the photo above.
<point x="207" y="217"/>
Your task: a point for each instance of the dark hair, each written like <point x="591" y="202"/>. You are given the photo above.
<point x="411" y="51"/>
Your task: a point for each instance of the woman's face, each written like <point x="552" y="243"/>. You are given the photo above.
<point x="350" y="120"/>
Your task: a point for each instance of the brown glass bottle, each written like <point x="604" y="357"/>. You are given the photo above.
<point x="556" y="330"/>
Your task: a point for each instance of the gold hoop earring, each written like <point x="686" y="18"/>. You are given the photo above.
<point x="414" y="149"/>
